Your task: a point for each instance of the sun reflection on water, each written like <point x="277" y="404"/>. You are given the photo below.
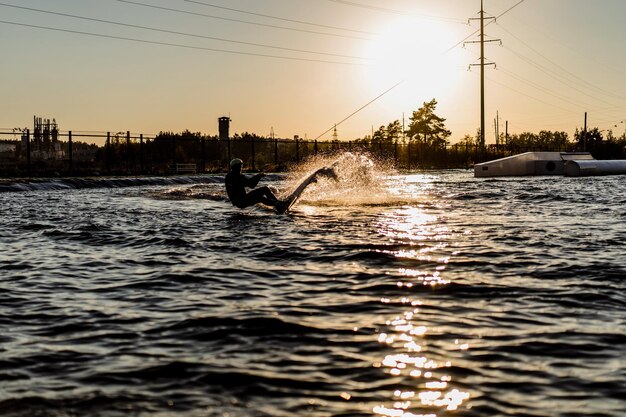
<point x="429" y="377"/>
<point x="420" y="238"/>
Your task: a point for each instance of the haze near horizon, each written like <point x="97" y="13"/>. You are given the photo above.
<point x="298" y="67"/>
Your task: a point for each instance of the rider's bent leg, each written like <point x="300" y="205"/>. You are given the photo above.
<point x="261" y="195"/>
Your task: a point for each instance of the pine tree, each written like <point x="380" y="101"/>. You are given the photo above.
<point x="427" y="127"/>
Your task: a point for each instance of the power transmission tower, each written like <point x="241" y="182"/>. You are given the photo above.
<point x="482" y="67"/>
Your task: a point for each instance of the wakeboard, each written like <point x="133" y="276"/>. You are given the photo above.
<point x="285" y="205"/>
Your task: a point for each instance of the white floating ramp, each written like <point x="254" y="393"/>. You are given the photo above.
<point x="585" y="168"/>
<point x="530" y="163"/>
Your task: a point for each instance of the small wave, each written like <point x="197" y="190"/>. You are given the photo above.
<point x="219" y="327"/>
<point x="104" y="182"/>
<point x="95" y="234"/>
<point x="539" y="197"/>
<point x="35" y="226"/>
<point x="92" y="404"/>
<point x="555" y="349"/>
<point x="596" y="272"/>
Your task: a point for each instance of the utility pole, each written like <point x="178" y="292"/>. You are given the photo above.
<point x="585" y="135"/>
<point x="275" y="146"/>
<point x="506" y="133"/>
<point x="497" y="128"/>
<point x="482" y="68"/>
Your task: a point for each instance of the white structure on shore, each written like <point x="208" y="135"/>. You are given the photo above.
<point x="572" y="164"/>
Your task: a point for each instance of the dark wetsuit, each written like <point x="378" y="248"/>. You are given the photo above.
<point x="236" y="184"/>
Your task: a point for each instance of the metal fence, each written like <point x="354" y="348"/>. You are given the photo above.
<point x="123" y="153"/>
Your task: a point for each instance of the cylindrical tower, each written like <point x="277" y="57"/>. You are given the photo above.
<point x="224" y="125"/>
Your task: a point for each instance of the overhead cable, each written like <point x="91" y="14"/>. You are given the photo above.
<point x="486" y="24"/>
<point x="398" y="12"/>
<point x="227" y="51"/>
<point x="361" y="108"/>
<point x="529" y="96"/>
<point x="577" y="78"/>
<point x="136" y="3"/>
<point x="555" y="75"/>
<point x="302" y="22"/>
<point x="181" y="33"/>
<point x="568" y="100"/>
<point x="397" y="84"/>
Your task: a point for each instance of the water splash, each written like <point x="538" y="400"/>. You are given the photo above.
<point x="360" y="181"/>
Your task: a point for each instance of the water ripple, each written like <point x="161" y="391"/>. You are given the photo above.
<point x="427" y="294"/>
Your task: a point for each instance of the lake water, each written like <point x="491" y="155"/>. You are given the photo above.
<point x="385" y="294"/>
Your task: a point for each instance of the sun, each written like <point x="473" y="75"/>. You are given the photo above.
<point x="411" y="49"/>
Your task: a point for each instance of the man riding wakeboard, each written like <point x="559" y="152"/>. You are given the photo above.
<point x="236" y="184"/>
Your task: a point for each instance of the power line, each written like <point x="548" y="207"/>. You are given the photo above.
<point x="577" y="78"/>
<point x="367" y="6"/>
<point x="360" y="108"/>
<point x="509" y="9"/>
<point x="569" y="82"/>
<point x="482" y="69"/>
<point x="239" y="21"/>
<point x="554" y="75"/>
<point x="180" y="33"/>
<point x="394" y="11"/>
<point x="576" y="51"/>
<point x="486" y="24"/>
<point x="528" y="95"/>
<point x="397" y="84"/>
<point x="569" y="100"/>
<point x="99" y="35"/>
<point x="279" y="18"/>
<point x="539" y="87"/>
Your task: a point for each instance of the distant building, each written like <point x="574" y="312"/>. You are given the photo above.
<point x="224" y="126"/>
<point x="45" y="140"/>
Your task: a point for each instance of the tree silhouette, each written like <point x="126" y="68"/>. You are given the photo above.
<point x="388" y="134"/>
<point x="427" y="127"/>
<point x="394" y="131"/>
<point x="591" y="140"/>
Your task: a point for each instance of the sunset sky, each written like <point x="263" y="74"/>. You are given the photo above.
<point x="300" y="66"/>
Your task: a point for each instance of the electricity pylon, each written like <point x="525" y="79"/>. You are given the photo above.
<point x="482" y="67"/>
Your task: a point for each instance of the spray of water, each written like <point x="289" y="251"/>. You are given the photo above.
<point x="360" y="180"/>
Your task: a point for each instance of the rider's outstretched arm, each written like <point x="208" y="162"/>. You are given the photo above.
<point x="254" y="180"/>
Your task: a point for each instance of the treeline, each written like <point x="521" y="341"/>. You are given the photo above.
<point x="423" y="144"/>
<point x="428" y="129"/>
<point x="601" y="147"/>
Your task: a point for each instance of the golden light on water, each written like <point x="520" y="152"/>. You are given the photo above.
<point x="419" y="241"/>
<point x="432" y="383"/>
<point x="413" y="226"/>
<point x="433" y="390"/>
<point x="408" y="223"/>
<point x="425" y="277"/>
